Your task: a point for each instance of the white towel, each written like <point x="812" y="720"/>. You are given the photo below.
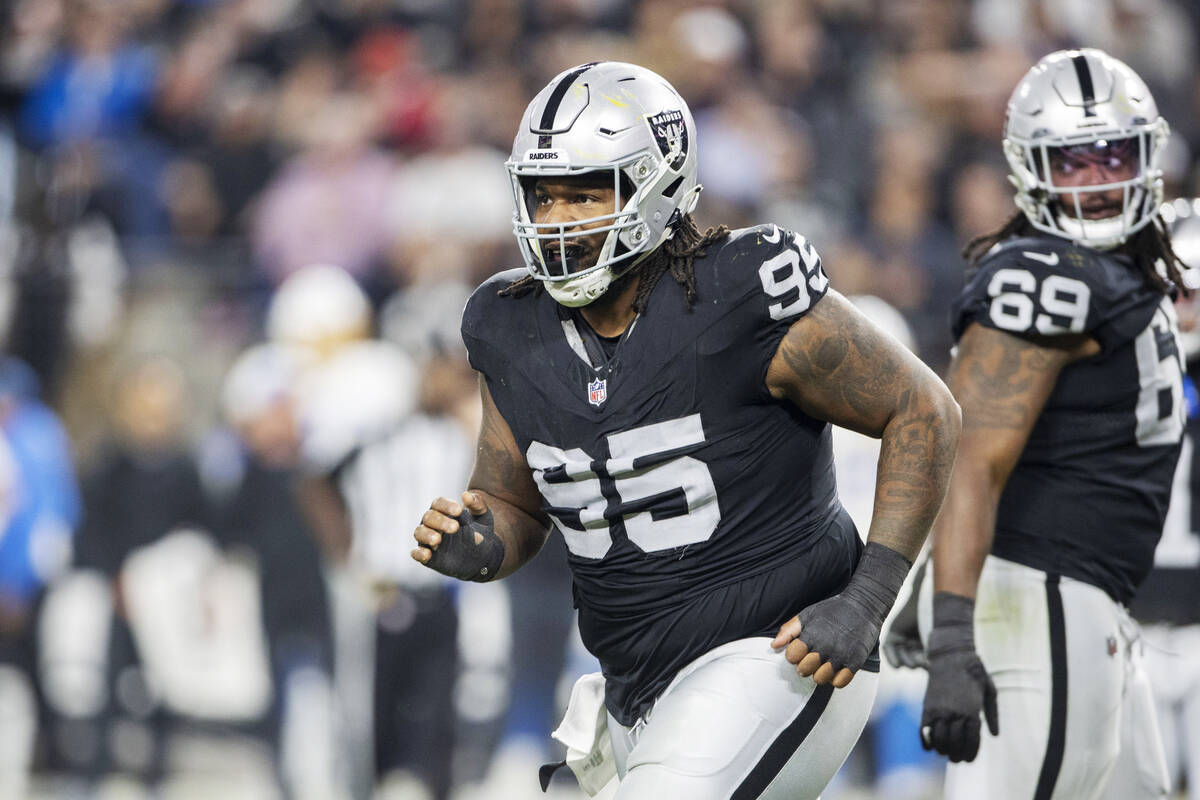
<point x="584" y="730"/>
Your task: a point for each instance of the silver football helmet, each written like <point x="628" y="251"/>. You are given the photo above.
<point x="604" y="117"/>
<point x="1085" y="104"/>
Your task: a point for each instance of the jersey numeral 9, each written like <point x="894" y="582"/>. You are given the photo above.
<point x="784" y="279"/>
<point x="663" y="497"/>
<point x="1064" y="302"/>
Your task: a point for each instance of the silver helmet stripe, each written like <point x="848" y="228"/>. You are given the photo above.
<point x="546" y="125"/>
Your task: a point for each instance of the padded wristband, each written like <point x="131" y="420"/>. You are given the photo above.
<point x="877" y="580"/>
<point x="953" y="623"/>
<point x="844" y="628"/>
<point x="460" y="556"/>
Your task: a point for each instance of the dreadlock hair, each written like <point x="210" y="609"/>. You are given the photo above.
<point x="1147" y="248"/>
<point x="676" y="255"/>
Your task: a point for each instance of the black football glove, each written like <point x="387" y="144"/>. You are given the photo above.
<point x="902" y="640"/>
<point x="844" y="629"/>
<point x="959" y="685"/>
<point x="473" y="553"/>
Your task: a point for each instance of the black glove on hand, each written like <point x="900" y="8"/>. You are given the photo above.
<point x="902" y="641"/>
<point x="473" y="553"/>
<point x="959" y="685"/>
<point x="844" y="628"/>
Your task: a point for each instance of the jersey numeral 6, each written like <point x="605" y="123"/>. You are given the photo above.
<point x="663" y="497"/>
<point x="1161" y="411"/>
<point x="1064" y="302"/>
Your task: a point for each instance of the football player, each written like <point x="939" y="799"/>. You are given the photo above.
<point x="1068" y="373"/>
<point x="663" y="397"/>
<point x="1168" y="603"/>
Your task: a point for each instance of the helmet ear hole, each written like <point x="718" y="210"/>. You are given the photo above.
<point x="627" y="189"/>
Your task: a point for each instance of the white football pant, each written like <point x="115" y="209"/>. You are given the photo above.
<point x="739" y="723"/>
<point x="1075" y="706"/>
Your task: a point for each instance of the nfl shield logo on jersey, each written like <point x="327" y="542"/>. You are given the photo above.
<point x="598" y="391"/>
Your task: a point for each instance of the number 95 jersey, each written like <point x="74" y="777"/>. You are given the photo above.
<point x="697" y="509"/>
<point x="1089" y="494"/>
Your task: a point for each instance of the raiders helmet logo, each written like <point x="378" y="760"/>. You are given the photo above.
<point x="670" y="132"/>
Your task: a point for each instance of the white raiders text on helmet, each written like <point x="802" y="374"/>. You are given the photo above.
<point x="605" y="117"/>
<point x="1084" y="104"/>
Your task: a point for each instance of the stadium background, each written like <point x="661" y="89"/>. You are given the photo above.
<point x="166" y="164"/>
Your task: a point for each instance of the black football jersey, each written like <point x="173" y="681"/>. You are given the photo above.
<point x="1171" y="593"/>
<point x="697" y="509"/>
<point x="1088" y="496"/>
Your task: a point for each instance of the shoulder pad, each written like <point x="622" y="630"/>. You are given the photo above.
<point x="485" y="295"/>
<point x="769" y="267"/>
<point x="1047" y="286"/>
<point x="1050" y="254"/>
<point x="752" y="289"/>
<point x="486" y="313"/>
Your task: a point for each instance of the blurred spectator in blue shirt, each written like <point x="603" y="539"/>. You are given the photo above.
<point x="40" y="499"/>
<point x="99" y="85"/>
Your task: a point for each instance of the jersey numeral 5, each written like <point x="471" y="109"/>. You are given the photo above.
<point x="784" y="279"/>
<point x="1064" y="302"/>
<point x="663" y="497"/>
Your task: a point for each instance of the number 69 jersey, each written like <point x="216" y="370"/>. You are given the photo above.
<point x="697" y="509"/>
<point x="1089" y="494"/>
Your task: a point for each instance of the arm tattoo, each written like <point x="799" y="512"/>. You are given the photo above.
<point x="840" y="368"/>
<point x="499" y="469"/>
<point x="860" y="374"/>
<point x="1002" y="381"/>
<point x="915" y="458"/>
<point x="836" y="366"/>
<point x="910" y="458"/>
<point x="501" y="472"/>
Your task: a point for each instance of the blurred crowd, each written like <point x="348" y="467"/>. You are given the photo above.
<point x="235" y="236"/>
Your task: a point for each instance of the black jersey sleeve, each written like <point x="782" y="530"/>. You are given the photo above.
<point x="1044" y="287"/>
<point x="766" y="278"/>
